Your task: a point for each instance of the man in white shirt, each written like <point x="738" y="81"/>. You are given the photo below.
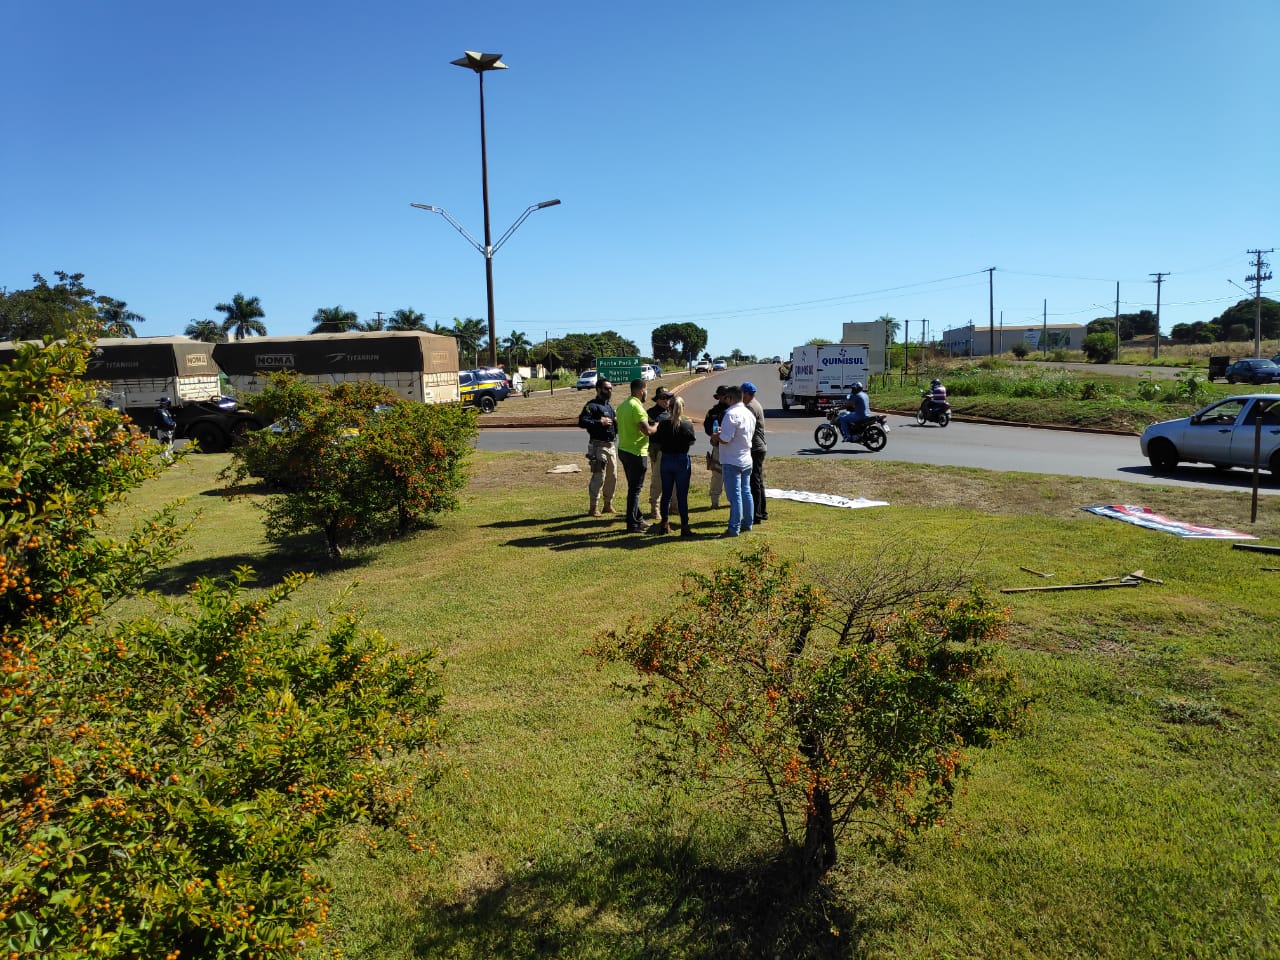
<point x="733" y="439"/>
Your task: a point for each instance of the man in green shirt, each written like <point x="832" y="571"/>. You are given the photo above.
<point x="634" y="430"/>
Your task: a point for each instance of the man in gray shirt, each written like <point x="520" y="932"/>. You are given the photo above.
<point x="759" y="446"/>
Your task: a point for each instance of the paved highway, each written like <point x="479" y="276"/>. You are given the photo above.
<point x="989" y="447"/>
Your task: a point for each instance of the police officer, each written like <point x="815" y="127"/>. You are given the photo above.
<point x="600" y="421"/>
<point x="166" y="426"/>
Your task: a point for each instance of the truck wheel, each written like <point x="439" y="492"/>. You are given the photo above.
<point x="487" y="404"/>
<point x="241" y="429"/>
<point x="826" y="436"/>
<point x="209" y="438"/>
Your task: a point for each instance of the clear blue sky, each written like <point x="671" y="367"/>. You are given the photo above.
<point x="765" y="170"/>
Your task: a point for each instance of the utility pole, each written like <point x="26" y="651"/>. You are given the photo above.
<point x="1044" y="328"/>
<point x="906" y="349"/>
<point x="1159" y="279"/>
<point x="1257" y="278"/>
<point x="1117" y="320"/>
<point x="991" y="312"/>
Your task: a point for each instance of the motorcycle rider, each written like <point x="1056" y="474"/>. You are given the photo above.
<point x="936" y="398"/>
<point x="937" y="394"/>
<point x="857" y="409"/>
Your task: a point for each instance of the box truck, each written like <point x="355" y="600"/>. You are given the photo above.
<point x="135" y="372"/>
<point x="819" y="375"/>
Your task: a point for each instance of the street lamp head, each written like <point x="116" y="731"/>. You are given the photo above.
<point x="479" y="62"/>
<point x="546" y="203"/>
<point x="425" y="206"/>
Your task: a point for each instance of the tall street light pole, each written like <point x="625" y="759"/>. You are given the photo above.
<point x="481" y="63"/>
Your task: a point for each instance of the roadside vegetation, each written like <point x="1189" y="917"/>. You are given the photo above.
<point x="1133" y="815"/>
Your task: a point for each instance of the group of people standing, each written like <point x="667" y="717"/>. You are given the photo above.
<point x="660" y="438"/>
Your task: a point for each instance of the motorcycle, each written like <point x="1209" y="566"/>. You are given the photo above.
<point x="930" y="412"/>
<point x="872" y="433"/>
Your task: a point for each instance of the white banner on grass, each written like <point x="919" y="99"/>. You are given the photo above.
<point x="825" y="499"/>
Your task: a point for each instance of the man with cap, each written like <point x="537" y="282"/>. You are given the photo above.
<point x="600" y="422"/>
<point x="759" y="446"/>
<point x="710" y="424"/>
<point x="657" y="413"/>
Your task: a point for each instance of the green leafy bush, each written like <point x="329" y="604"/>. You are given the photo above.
<point x="354" y="461"/>
<point x="1100" y="347"/>
<point x="826" y="708"/>
<point x="168" y="783"/>
<point x="1147" y="389"/>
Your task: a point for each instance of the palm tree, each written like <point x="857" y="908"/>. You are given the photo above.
<point x="469" y="334"/>
<point x="516" y="344"/>
<point x="117" y="319"/>
<point x="407" y="319"/>
<point x="335" y="320"/>
<point x="243" y="317"/>
<point x="207" y="331"/>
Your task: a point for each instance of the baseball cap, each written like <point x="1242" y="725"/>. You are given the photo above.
<point x="663" y="394"/>
<point x="748" y="387"/>
<point x="720" y="390"/>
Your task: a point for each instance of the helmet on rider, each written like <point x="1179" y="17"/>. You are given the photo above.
<point x="857" y="386"/>
<point x="164" y="401"/>
<point x="936" y="382"/>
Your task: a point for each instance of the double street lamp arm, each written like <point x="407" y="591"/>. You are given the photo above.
<point x="431" y="208"/>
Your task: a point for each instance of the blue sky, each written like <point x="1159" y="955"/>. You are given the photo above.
<point x="768" y="171"/>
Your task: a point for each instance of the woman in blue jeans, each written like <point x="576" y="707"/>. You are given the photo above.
<point x="674" y="437"/>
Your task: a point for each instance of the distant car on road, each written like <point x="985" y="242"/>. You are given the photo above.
<point x="1253" y="371"/>
<point x="647" y="372"/>
<point x="586" y="380"/>
<point x="720" y="365"/>
<point x="704" y="366"/>
<point x="1222" y="434"/>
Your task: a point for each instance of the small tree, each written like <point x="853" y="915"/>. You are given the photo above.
<point x="168" y="782"/>
<point x="841" y="707"/>
<point x="1100" y="347"/>
<point x="354" y="461"/>
<point x="1020" y="349"/>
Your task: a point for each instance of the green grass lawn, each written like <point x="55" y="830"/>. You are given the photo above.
<point x="1138" y="815"/>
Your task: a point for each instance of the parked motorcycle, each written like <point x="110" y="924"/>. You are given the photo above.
<point x="930" y="412"/>
<point x="872" y="433"/>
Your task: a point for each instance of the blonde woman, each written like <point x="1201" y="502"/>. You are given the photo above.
<point x="674" y="437"/>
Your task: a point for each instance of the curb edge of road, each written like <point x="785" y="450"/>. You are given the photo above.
<point x="1065" y="427"/>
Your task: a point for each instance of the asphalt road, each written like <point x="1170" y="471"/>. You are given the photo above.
<point x="986" y="446"/>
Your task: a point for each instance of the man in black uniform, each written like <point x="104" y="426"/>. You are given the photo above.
<point x="600" y="421"/>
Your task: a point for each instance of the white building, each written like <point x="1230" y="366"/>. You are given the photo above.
<point x="972" y="341"/>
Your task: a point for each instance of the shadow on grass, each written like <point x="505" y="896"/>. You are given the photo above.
<point x="609" y="533"/>
<point x="300" y="554"/>
<point x="637" y="895"/>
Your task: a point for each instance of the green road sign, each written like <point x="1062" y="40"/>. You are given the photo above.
<point x="618" y="369"/>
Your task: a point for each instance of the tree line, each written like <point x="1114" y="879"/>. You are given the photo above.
<point x="68" y="307"/>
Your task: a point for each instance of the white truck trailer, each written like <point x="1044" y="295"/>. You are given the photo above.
<point x="417" y="365"/>
<point x="819" y="375"/>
